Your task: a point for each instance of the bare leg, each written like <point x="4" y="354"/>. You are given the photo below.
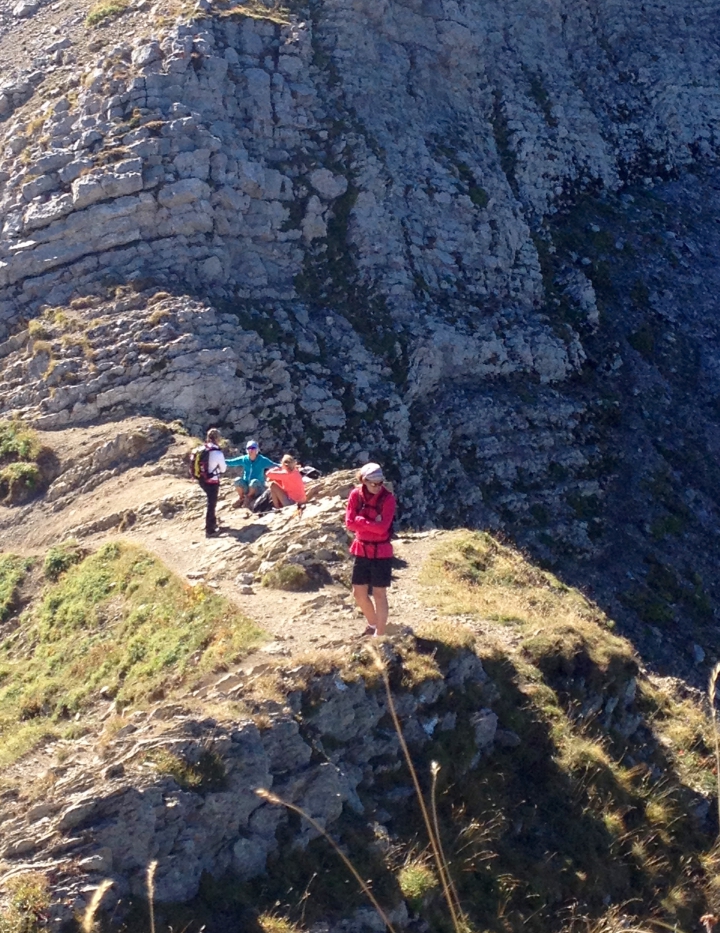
<point x="279" y="497"/>
<point x="365" y="603"/>
<point x="381" y="608"/>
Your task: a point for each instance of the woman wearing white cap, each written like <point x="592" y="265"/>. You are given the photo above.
<point x="369" y="515"/>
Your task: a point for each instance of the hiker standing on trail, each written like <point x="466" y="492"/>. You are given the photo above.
<point x="286" y="484"/>
<point x="369" y="515"/>
<point x="252" y="482"/>
<point x="211" y="465"/>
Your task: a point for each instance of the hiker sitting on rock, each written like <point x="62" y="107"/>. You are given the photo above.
<point x="369" y="515"/>
<point x="286" y="483"/>
<point x="252" y="482"/>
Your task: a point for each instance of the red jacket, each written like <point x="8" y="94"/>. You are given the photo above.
<point x="372" y="538"/>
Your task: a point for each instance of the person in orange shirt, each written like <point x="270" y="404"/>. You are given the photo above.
<point x="286" y="484"/>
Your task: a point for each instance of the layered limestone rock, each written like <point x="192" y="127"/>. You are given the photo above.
<point x="327" y="749"/>
<point x="418" y="143"/>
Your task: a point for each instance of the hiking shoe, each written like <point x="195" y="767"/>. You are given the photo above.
<point x="370" y="632"/>
<point x="212" y="534"/>
<point x="237" y="504"/>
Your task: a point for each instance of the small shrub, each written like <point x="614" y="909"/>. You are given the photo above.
<point x="85" y="301"/>
<point x="287" y="577"/>
<point x="17" y="442"/>
<point x="202" y="776"/>
<point x="157" y="297"/>
<point x="643" y="340"/>
<point x="61" y="558"/>
<point x="640" y="294"/>
<point x="28" y="901"/>
<point x="34" y="125"/>
<point x="417" y="882"/>
<point x="19" y="482"/>
<point x="38" y="330"/>
<point x="479" y="196"/>
<point x="42" y="346"/>
<point x="110" y="9"/>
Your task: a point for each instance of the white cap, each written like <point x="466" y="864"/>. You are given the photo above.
<point x="372" y="472"/>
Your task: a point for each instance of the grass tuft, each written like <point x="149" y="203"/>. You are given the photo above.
<point x="274" y="923"/>
<point x="27" y="903"/>
<point x="287" y="577"/>
<point x="418" y="882"/>
<point x="25" y="465"/>
<point x="61" y="557"/>
<point x="12" y="573"/>
<point x="205" y="774"/>
<point x="106" y="10"/>
<point x="17" y="442"/>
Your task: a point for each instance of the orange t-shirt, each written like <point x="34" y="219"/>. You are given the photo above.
<point x="291" y="483"/>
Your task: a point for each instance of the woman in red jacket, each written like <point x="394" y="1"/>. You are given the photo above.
<point x="369" y="515"/>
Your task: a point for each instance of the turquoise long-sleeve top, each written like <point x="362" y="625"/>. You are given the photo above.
<point x="252" y="469"/>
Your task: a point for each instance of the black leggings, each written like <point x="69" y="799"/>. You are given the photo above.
<point x="211" y="490"/>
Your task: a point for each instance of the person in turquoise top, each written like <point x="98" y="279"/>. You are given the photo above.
<point x="253" y="466"/>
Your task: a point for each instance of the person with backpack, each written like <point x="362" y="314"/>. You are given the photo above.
<point x="369" y="515"/>
<point x="206" y="464"/>
<point x="251" y="483"/>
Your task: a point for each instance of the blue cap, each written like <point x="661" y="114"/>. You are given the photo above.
<point x="252" y="445"/>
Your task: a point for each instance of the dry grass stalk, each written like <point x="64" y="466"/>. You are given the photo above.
<point x="278" y="801"/>
<point x="88" y="920"/>
<point x="712" y="687"/>
<point x="455" y="914"/>
<point x="434" y="771"/>
<point x="152" y="868"/>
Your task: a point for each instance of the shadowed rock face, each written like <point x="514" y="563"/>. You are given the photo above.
<point x="404" y="230"/>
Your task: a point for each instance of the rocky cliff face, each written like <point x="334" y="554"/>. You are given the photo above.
<point x="405" y="236"/>
<point x="182" y="789"/>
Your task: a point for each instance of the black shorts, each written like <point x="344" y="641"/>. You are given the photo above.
<point x="372" y="571"/>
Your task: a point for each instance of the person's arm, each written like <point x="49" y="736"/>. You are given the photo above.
<point x="351" y="512"/>
<point x="267" y="464"/>
<point x="275" y="475"/>
<point x="221" y="462"/>
<point x="234" y="461"/>
<point x="370" y="529"/>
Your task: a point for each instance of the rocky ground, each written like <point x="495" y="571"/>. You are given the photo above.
<point x="156" y="505"/>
